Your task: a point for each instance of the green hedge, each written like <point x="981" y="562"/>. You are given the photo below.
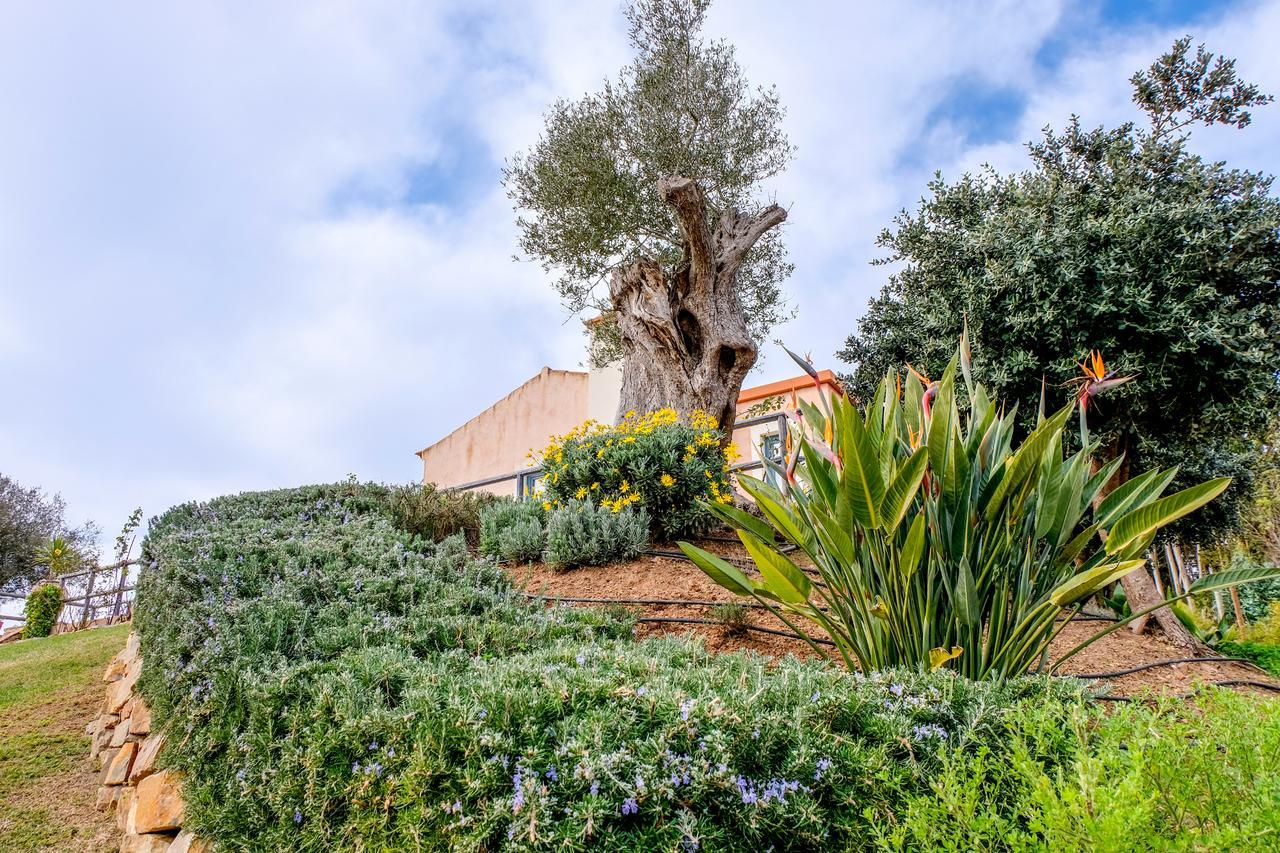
<point x="329" y="684"/>
<point x="44" y="603"/>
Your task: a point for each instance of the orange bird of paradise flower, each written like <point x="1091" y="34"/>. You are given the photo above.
<point x="930" y="390"/>
<point x="1095" y="378"/>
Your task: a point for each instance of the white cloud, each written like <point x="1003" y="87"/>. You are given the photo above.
<point x="248" y="246"/>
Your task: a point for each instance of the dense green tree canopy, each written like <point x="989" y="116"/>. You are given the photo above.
<point x="1121" y="240"/>
<point x="587" y="194"/>
<point x="29" y="521"/>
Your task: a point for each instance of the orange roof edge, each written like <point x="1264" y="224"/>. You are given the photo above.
<point x="786" y="386"/>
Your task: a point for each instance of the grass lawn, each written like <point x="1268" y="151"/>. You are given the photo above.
<point x="49" y="690"/>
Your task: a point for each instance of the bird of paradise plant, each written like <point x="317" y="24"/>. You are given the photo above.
<point x="936" y="540"/>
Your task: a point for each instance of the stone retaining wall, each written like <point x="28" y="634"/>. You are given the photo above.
<point x="147" y="802"/>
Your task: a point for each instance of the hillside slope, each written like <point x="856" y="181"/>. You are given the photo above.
<point x="49" y="689"/>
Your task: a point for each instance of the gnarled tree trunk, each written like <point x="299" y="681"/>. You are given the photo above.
<point x="1139" y="590"/>
<point x="685" y="342"/>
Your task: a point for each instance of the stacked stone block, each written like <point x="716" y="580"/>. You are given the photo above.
<point x="146" y="801"/>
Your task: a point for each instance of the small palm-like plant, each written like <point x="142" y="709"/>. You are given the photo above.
<point x="934" y="539"/>
<point x="58" y="557"/>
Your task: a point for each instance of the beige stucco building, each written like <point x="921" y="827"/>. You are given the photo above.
<point x="484" y="452"/>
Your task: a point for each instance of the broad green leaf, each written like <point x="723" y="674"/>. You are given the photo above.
<point x="942" y="425"/>
<point x="774" y="509"/>
<point x="738" y="518"/>
<point x="967" y="610"/>
<point x="1147" y="519"/>
<point x="724" y="573"/>
<point x="780" y="575"/>
<point x="861" y="478"/>
<point x="1087" y="583"/>
<point x="901" y="491"/>
<point x="1100" y="478"/>
<point x="821" y="471"/>
<point x="1234" y="577"/>
<point x="1076" y="545"/>
<point x="913" y="547"/>
<point x="1027" y="458"/>
<point x="1133" y="493"/>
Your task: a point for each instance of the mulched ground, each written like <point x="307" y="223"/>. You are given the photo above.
<point x="668" y="578"/>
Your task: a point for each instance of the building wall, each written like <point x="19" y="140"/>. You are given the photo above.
<point x="749" y="440"/>
<point x="497" y="440"/>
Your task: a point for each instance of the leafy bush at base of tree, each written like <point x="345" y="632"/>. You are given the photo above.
<point x="44" y="603"/>
<point x="1256" y="598"/>
<point x="513" y="530"/>
<point x="436" y="514"/>
<point x="1265" y="655"/>
<point x="583" y="534"/>
<point x="328" y="682"/>
<point x="669" y="468"/>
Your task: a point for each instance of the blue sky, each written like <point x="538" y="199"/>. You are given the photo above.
<point x="246" y="246"/>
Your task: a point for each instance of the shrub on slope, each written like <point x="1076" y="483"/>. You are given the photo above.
<point x="327" y="686"/>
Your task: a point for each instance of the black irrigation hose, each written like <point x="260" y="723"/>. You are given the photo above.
<point x="1154" y="664"/>
<point x="1230" y="682"/>
<point x="685" y="620"/>
<point x="673" y="602"/>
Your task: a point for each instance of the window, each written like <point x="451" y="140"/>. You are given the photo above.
<point x="528" y="484"/>
<point x="771" y="449"/>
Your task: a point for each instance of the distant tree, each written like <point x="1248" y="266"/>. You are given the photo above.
<point x="29" y="522"/>
<point x="1120" y="240"/>
<point x="653" y="185"/>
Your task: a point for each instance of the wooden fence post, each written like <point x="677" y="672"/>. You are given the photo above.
<point x="86" y="612"/>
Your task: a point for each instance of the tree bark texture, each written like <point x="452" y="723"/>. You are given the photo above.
<point x="685" y="342"/>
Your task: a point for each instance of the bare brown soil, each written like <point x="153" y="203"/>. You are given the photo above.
<point x="656" y="578"/>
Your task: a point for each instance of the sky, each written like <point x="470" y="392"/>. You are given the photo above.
<point x="248" y="246"/>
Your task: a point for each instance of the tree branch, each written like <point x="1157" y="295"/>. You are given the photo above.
<point x="685" y="198"/>
<point x="736" y="234"/>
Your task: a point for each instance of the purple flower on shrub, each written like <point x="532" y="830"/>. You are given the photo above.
<point x="595" y="788"/>
<point x="630" y="806"/>
<point x="685" y="707"/>
<point x="928" y="730"/>
<point x="823" y="765"/>
<point x="552" y="775"/>
<point x="297" y="816"/>
<point x="517" y="786"/>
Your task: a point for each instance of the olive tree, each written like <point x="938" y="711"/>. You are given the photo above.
<point x="1120" y="240"/>
<point x="653" y="187"/>
<point x="30" y="522"/>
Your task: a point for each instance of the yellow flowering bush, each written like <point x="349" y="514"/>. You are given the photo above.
<point x="657" y="462"/>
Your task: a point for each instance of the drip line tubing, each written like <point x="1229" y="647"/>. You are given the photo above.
<point x="664" y="602"/>
<point x="1230" y="682"/>
<point x="1154" y="664"/>
<point x="686" y="620"/>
